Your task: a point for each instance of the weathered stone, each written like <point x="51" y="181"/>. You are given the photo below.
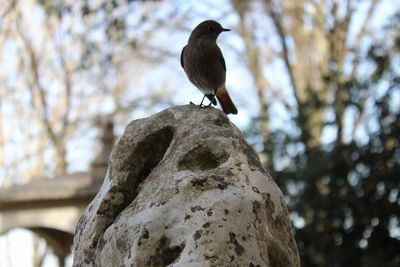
<point x="183" y="188"/>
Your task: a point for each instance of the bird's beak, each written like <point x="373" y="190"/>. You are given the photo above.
<point x="226" y="30"/>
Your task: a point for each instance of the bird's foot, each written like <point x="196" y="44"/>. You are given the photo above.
<point x="200" y="105"/>
<point x="205" y="106"/>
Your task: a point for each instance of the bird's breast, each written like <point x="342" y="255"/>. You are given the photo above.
<point x="203" y="65"/>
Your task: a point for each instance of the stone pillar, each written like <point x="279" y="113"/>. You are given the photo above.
<point x="183" y="188"/>
<point x="107" y="139"/>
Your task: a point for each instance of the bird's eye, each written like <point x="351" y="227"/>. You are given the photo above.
<point x="210" y="28"/>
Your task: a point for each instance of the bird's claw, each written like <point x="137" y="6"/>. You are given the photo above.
<point x="200" y="105"/>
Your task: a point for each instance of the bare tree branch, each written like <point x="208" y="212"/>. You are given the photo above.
<point x="254" y="64"/>
<point x="45" y="117"/>
<point x="282" y="37"/>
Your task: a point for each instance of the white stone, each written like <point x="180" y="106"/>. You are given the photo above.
<point x="183" y="188"/>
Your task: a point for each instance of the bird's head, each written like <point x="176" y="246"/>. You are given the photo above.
<point x="208" y="29"/>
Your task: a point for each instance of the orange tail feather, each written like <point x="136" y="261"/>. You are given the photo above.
<point x="226" y="101"/>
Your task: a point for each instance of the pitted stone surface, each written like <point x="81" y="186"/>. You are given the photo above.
<point x="184" y="188"/>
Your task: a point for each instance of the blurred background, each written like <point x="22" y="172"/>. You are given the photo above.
<point x="316" y="83"/>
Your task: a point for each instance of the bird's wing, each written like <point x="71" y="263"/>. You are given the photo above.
<point x="183" y="50"/>
<point x="221" y="58"/>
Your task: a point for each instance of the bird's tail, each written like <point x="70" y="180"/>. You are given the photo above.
<point x="226" y="101"/>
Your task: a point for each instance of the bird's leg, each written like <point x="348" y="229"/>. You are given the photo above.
<point x="212" y="99"/>
<point x="199" y="105"/>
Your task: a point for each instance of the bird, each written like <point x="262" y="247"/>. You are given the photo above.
<point x="204" y="65"/>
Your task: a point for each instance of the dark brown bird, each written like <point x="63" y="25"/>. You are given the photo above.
<point x="205" y="66"/>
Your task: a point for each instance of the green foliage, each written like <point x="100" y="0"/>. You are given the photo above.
<point x="345" y="195"/>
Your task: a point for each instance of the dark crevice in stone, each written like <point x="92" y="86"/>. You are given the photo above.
<point x="212" y="259"/>
<point x="206" y="225"/>
<point x="239" y="249"/>
<point x="210" y="212"/>
<point x="145" y="235"/>
<point x="256" y="211"/>
<point x="200" y="184"/>
<point x="197" y="234"/>
<point x="221" y="121"/>
<point x="196" y="208"/>
<point x="164" y="254"/>
<point x="255" y="189"/>
<point x="151" y="150"/>
<point x="201" y="158"/>
<point x="209" y="183"/>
